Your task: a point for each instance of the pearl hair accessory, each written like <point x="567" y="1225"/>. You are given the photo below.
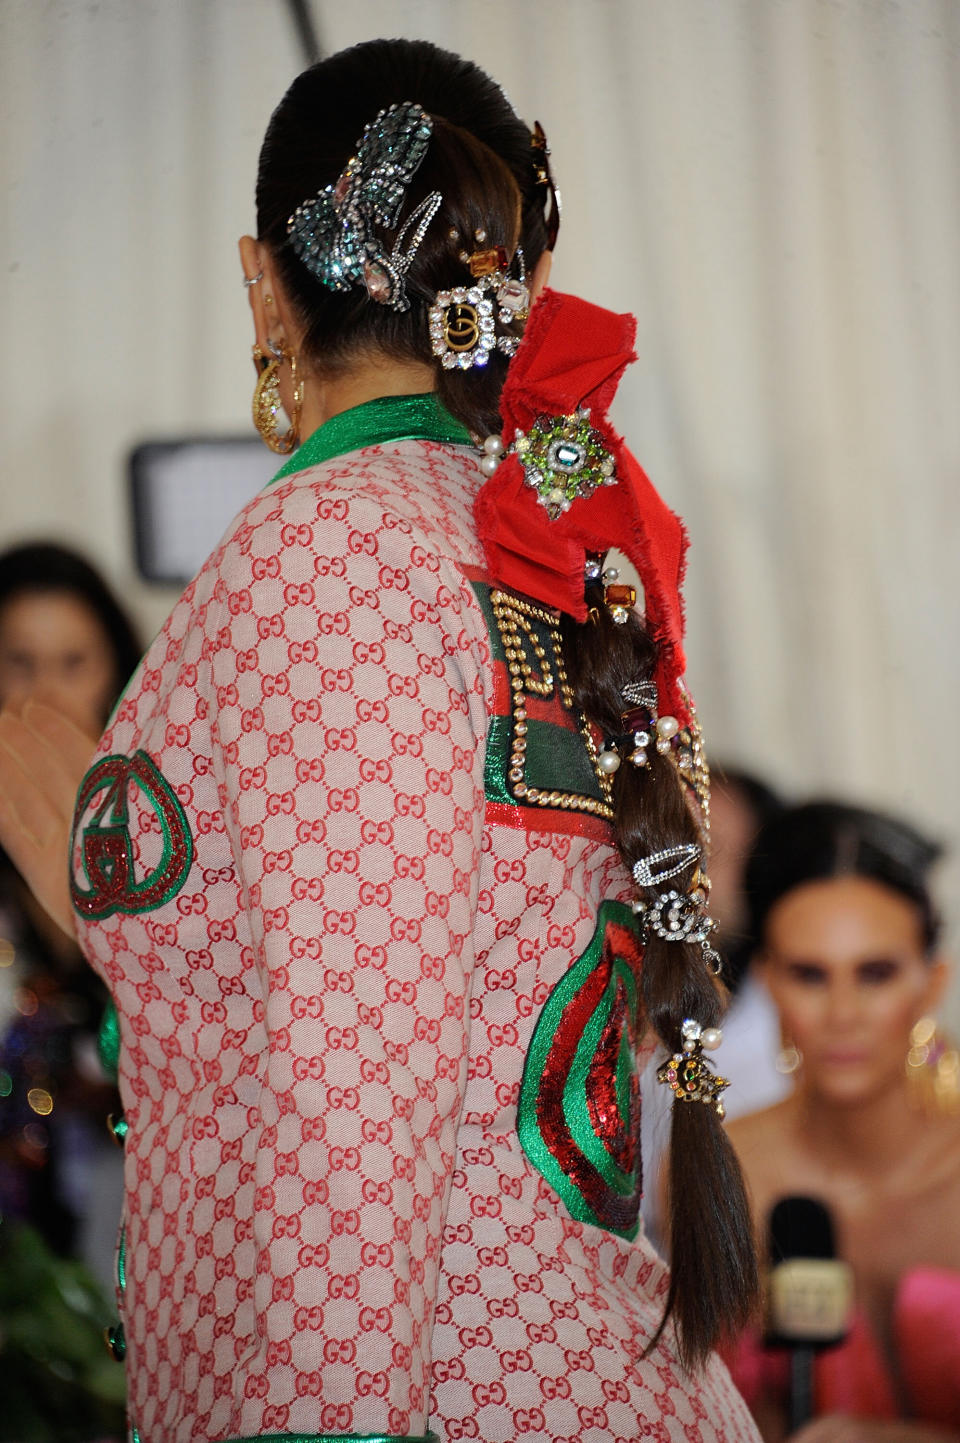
<point x="492" y="453"/>
<point x="608" y="758"/>
<point x="688" y="1074"/>
<point x="663" y="732"/>
<point x="709" y="1038"/>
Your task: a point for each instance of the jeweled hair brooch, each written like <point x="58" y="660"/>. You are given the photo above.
<point x="334" y="233"/>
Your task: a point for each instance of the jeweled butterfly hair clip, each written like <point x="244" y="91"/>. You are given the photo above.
<point x="334" y="233"/>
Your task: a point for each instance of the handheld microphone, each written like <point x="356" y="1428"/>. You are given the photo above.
<point x="809" y="1293"/>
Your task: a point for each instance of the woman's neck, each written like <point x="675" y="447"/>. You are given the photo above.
<point x="867" y="1139"/>
<point x="326" y="396"/>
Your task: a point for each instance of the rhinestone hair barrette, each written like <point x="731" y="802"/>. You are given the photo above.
<point x="334" y="234"/>
<point x="661" y="866"/>
<point x="463" y="319"/>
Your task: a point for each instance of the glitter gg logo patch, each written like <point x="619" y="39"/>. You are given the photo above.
<point x="110" y="870"/>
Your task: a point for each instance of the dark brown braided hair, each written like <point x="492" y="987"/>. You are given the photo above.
<point x="480" y="159"/>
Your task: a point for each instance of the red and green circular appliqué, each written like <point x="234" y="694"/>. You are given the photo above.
<point x="105" y="874"/>
<point x="579" y="1109"/>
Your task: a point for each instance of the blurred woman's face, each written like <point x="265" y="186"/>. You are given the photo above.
<point x="53" y="648"/>
<point x="845" y="965"/>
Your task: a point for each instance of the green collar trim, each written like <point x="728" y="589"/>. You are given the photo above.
<point x="387" y="418"/>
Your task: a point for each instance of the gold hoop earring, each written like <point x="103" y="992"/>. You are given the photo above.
<point x="789" y="1059"/>
<point x="267" y="404"/>
<point x="933" y="1069"/>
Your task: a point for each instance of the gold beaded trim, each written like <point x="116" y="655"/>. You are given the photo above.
<point x="514" y="623"/>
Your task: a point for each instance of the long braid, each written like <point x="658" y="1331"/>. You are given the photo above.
<point x="713" y="1281"/>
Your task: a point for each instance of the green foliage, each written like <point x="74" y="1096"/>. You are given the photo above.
<point x="58" y="1383"/>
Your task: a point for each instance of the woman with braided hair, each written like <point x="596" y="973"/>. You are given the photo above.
<point x="355" y="853"/>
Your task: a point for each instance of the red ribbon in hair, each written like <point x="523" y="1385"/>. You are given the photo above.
<point x="572" y="356"/>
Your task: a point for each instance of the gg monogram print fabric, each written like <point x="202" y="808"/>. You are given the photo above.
<point x="381" y="1168"/>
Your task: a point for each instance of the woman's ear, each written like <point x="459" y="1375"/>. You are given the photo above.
<point x="270" y="318"/>
<point x="251" y="259"/>
<point x="938" y="975"/>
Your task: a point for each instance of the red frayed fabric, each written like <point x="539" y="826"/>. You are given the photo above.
<point x="573" y="355"/>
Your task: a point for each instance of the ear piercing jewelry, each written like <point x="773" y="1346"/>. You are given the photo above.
<point x="267" y="404"/>
<point x="788" y="1059"/>
<point x="249" y="281"/>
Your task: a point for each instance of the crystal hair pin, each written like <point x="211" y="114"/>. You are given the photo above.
<point x="661" y="866"/>
<point x="333" y="233"/>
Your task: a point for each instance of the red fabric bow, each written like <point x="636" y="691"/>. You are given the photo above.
<point x="573" y="355"/>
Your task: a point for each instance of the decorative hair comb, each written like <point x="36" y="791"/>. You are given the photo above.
<point x="543" y="175"/>
<point x="333" y="233"/>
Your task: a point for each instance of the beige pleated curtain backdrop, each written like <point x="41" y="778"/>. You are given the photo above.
<point x="772" y="186"/>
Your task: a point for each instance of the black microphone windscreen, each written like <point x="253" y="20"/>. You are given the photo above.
<point x="801" y="1227"/>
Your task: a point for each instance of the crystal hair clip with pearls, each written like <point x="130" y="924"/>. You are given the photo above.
<point x="333" y="233"/>
<point x="643" y="728"/>
<point x="688" y="1074"/>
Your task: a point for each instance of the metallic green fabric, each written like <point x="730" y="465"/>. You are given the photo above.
<point x="557" y="760"/>
<point x="495" y="766"/>
<point x="108" y="1042"/>
<point x="482" y="593"/>
<point x="388" y="418"/>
